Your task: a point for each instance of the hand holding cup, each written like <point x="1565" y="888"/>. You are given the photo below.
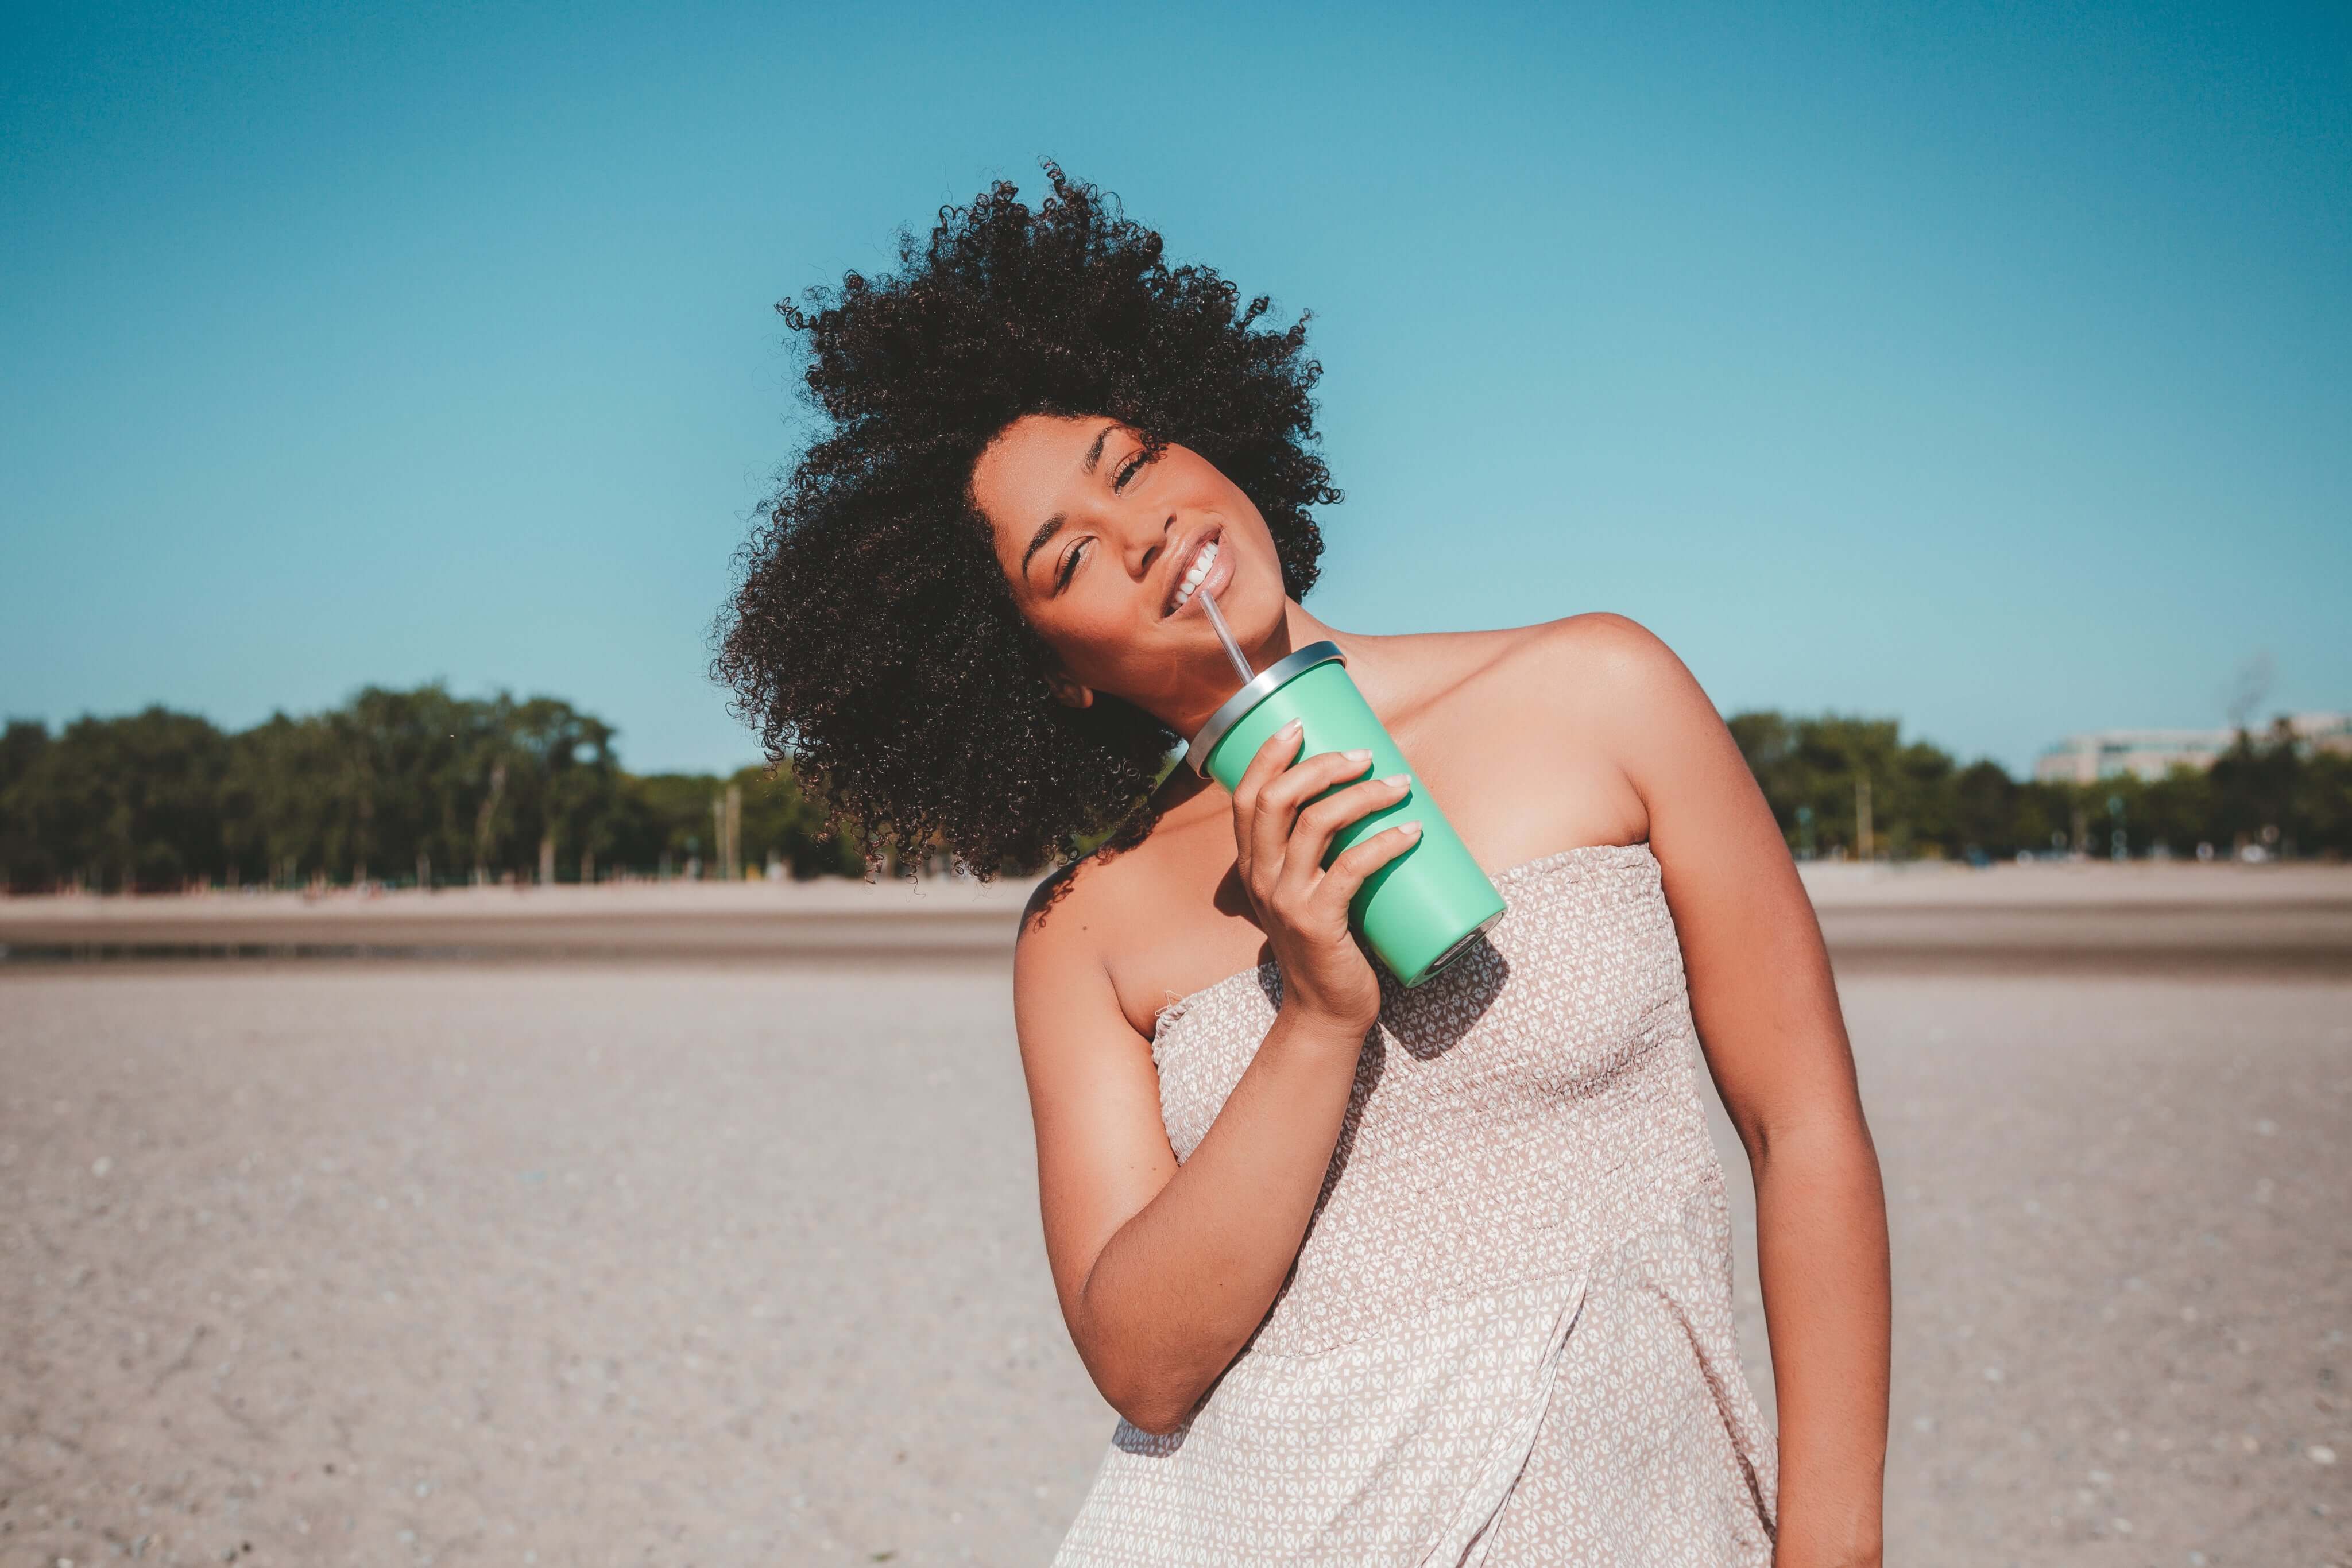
<point x="1281" y="833"/>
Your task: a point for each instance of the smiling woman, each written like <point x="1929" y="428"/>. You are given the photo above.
<point x="1373" y="1274"/>
<point x="873" y="635"/>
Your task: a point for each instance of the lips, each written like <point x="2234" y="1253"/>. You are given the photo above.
<point x="1199" y="562"/>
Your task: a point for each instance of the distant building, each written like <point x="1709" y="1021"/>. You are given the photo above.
<point x="2150" y="754"/>
<point x="2324" y="731"/>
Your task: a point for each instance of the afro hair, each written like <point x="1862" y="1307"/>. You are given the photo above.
<point x="871" y="640"/>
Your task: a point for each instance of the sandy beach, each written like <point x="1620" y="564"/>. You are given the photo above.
<point x="703" y="1257"/>
<point x="2154" y="917"/>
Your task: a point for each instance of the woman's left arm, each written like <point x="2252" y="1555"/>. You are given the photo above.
<point x="1767" y="1012"/>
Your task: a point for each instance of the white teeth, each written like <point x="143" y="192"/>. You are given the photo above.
<point x="1201" y="565"/>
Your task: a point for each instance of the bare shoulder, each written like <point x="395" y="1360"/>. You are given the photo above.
<point x="1616" y="651"/>
<point x="1057" y="906"/>
<point x="1061" y="983"/>
<point x="1606" y="684"/>
<point x="1071" y="915"/>
<point x="1600" y="673"/>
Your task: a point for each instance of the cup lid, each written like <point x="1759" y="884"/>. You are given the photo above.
<point x="1260" y="687"/>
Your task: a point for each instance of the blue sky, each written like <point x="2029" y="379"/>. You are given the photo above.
<point x="1984" y="366"/>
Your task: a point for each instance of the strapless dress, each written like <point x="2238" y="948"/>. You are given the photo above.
<point x="1507" y="1338"/>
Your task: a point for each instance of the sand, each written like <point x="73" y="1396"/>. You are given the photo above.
<point x="822" y="922"/>
<point x="717" y="1263"/>
<point x="2159" y="919"/>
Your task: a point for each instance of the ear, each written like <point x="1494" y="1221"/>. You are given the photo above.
<point x="1067" y="692"/>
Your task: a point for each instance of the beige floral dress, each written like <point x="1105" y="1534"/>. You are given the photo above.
<point x="1507" y="1338"/>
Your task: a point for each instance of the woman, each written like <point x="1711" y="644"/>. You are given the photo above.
<point x="1373" y="1275"/>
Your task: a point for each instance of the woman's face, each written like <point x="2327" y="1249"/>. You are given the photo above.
<point x="1104" y="544"/>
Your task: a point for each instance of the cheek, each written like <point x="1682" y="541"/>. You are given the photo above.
<point x="1094" y="641"/>
<point x="1101" y="630"/>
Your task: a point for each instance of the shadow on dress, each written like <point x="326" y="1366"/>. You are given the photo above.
<point x="1449" y="1004"/>
<point x="1130" y="1438"/>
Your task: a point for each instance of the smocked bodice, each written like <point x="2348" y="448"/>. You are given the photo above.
<point x="1516" y="1109"/>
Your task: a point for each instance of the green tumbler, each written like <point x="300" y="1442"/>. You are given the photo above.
<point x="1423" y="907"/>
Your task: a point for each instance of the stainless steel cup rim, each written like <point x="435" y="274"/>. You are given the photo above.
<point x="1260" y="687"/>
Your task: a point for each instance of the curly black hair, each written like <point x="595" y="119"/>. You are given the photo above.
<point x="872" y="639"/>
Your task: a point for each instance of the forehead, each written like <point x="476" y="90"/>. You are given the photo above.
<point x="1031" y="464"/>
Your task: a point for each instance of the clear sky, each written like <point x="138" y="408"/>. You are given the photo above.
<point x="1989" y="366"/>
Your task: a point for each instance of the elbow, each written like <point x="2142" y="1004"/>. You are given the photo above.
<point x="1153" y="1381"/>
<point x="1158" y="1416"/>
<point x="1157" y="1404"/>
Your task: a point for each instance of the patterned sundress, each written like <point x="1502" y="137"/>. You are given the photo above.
<point x="1507" y="1338"/>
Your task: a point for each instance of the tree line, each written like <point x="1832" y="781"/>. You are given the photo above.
<point x="423" y="787"/>
<point x="398" y="786"/>
<point x="2270" y="792"/>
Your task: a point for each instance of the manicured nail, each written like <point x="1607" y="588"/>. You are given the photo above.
<point x="1409" y="830"/>
<point x="1293" y="728"/>
<point x="1358" y="757"/>
<point x="1397" y="780"/>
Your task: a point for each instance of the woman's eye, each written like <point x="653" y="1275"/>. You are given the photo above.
<point x="1070" y="562"/>
<point x="1128" y="469"/>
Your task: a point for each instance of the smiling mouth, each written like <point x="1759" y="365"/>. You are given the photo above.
<point x="1204" y="556"/>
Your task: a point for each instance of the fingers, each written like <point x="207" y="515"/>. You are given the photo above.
<point x="1311" y="839"/>
<point x="1348" y="872"/>
<point x="1271" y="760"/>
<point x="1280" y="800"/>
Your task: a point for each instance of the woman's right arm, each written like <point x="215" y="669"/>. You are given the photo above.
<point x="1165" y="1271"/>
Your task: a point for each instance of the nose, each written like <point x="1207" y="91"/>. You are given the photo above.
<point x="1144" y="533"/>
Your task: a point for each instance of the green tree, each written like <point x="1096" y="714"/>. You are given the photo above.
<point x="780" y="818"/>
<point x="123" y="802"/>
<point x="25" y="861"/>
<point x="1814" y="765"/>
<point x="1985" y="814"/>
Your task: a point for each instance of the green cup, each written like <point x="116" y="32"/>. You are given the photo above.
<point x="1423" y="908"/>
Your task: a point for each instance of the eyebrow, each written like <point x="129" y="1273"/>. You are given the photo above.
<point x="1053" y="525"/>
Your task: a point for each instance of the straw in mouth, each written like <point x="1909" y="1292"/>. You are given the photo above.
<point x="1225" y="635"/>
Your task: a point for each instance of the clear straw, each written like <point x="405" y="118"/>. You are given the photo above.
<point x="1225" y="635"/>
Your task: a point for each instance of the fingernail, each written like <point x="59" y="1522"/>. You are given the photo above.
<point x="1359" y="757"/>
<point x="1409" y="830"/>
<point x="1397" y="780"/>
<point x="1293" y="728"/>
